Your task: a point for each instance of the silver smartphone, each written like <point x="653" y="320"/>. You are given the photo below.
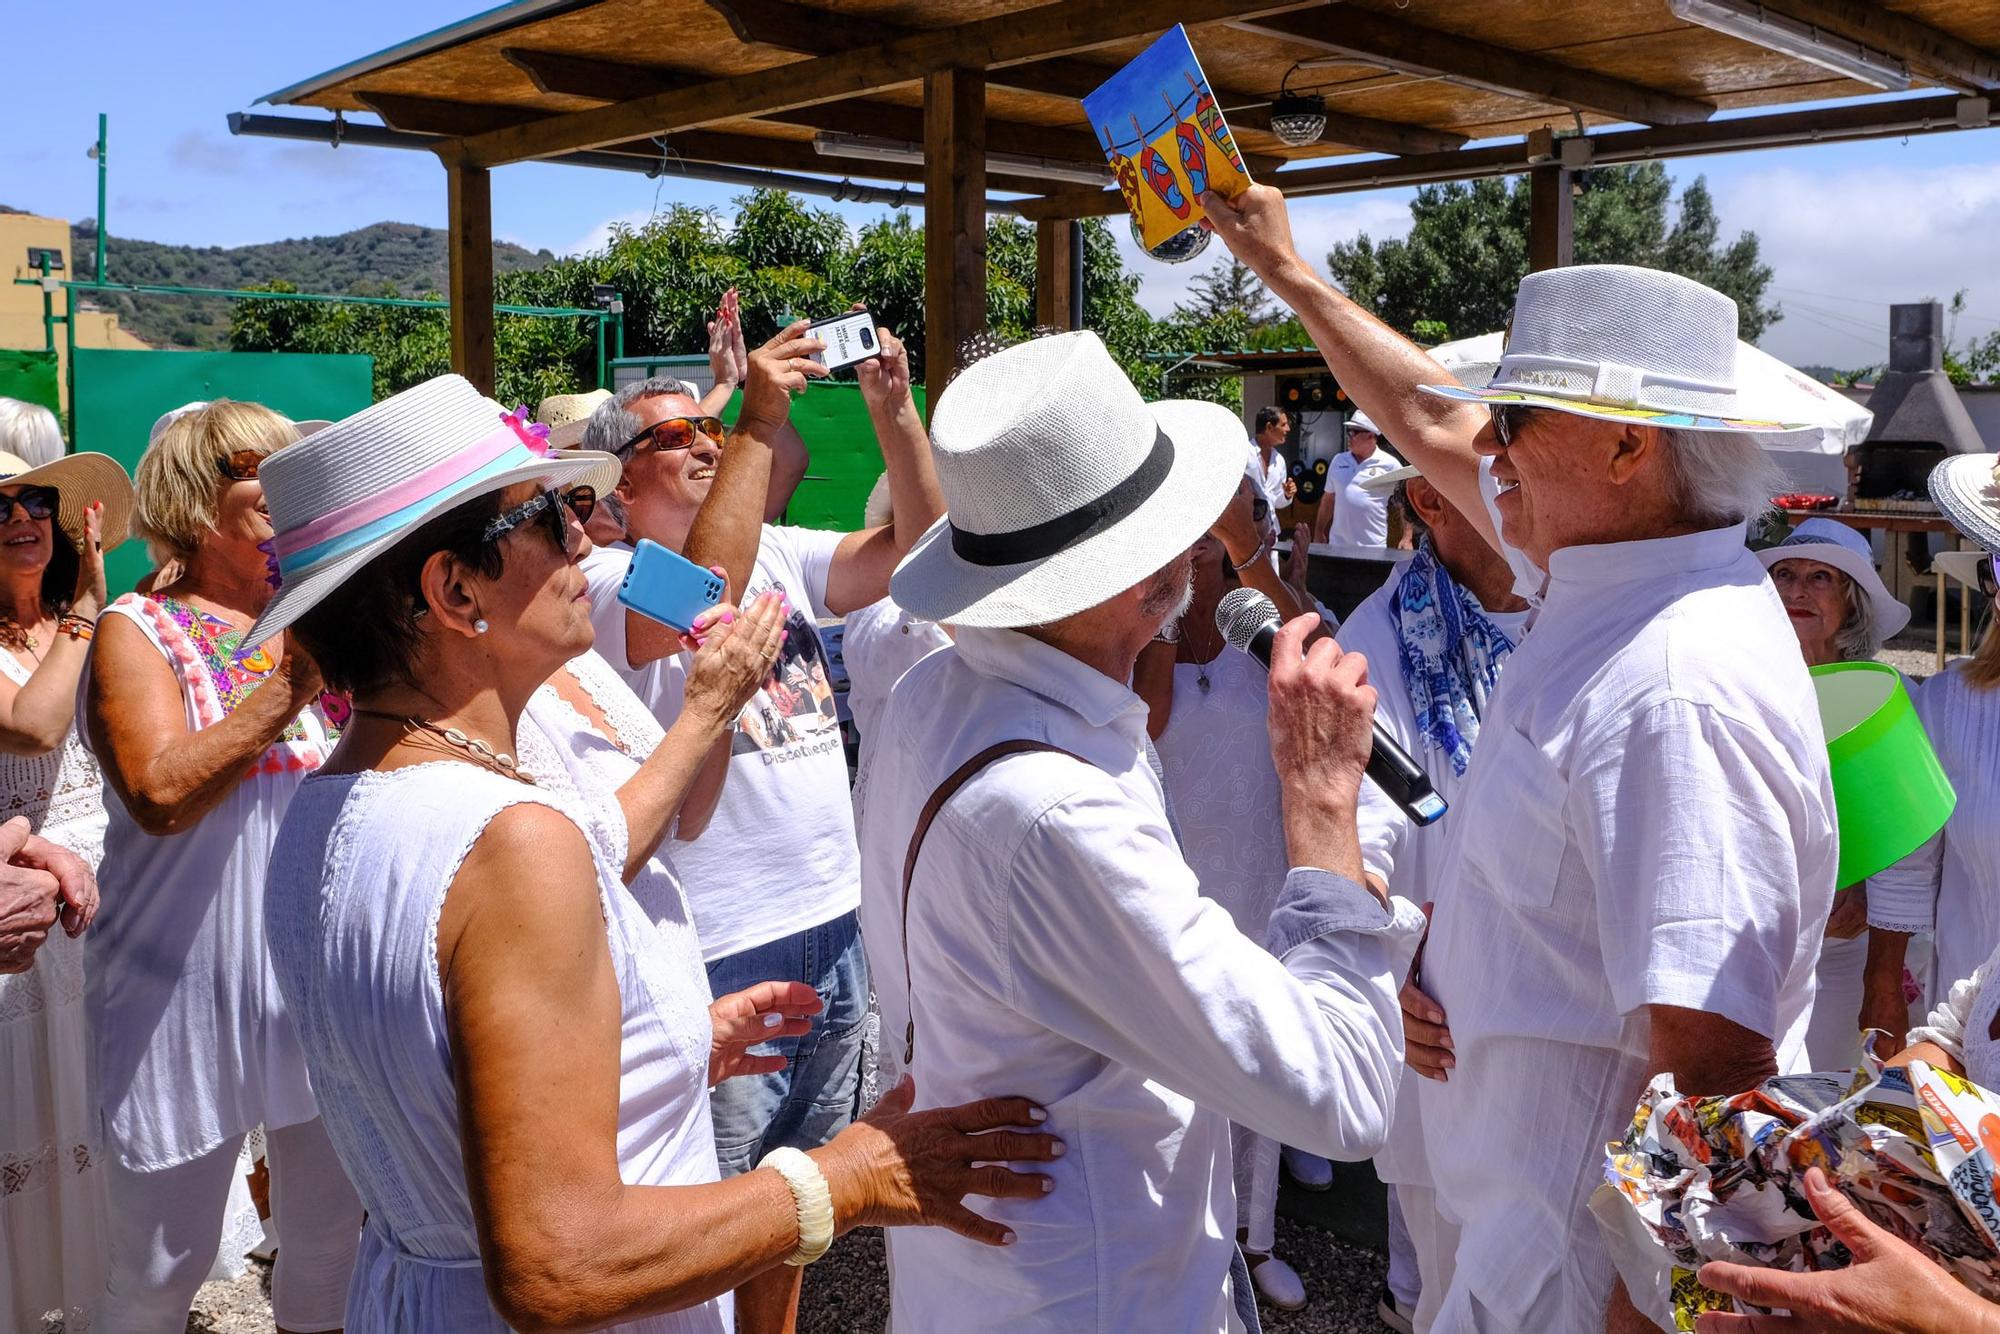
<point x="849" y="338"/>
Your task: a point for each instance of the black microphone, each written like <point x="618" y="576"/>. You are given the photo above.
<point x="1249" y="621"/>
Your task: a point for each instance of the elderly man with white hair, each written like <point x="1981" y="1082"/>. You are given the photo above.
<point x="1643" y="851"/>
<point x="1030" y="919"/>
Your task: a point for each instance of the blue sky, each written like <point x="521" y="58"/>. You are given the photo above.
<point x="1847" y="228"/>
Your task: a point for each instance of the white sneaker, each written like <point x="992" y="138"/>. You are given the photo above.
<point x="1277" y="1282"/>
<point x="1310" y="1171"/>
<point x="267" y="1248"/>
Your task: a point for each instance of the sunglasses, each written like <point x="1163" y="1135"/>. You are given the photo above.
<point x="1509" y="420"/>
<point x="1989" y="575"/>
<point x="671" y="434"/>
<point x="37" y="502"/>
<point x="547" y="508"/>
<point x="1259" y="507"/>
<point x="582" y="501"/>
<point x="240" y="465"/>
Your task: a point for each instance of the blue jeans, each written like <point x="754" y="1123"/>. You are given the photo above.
<point x="819" y="1091"/>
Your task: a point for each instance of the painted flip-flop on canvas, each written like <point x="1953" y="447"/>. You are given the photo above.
<point x="1165" y="137"/>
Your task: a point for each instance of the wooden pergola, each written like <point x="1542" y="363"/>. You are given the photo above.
<point x="979" y="101"/>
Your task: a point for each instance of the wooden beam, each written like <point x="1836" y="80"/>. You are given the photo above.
<point x="616" y="81"/>
<point x="1052" y="276"/>
<point x="469" y="205"/>
<point x="434" y="115"/>
<point x="1008" y="39"/>
<point x="954" y="220"/>
<point x="1551" y="218"/>
<point x="1377" y="136"/>
<point x="796" y="27"/>
<point x="1951" y="61"/>
<point x="1843" y="124"/>
<point x="1411" y="48"/>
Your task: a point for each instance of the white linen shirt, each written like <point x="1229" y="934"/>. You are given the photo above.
<point x="1359" y="519"/>
<point x="1267" y="478"/>
<point x="1061" y="951"/>
<point x="1648" y="819"/>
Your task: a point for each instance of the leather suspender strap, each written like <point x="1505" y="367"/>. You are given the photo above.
<point x="944" y="792"/>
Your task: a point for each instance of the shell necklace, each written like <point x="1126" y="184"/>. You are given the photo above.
<point x="479" y="752"/>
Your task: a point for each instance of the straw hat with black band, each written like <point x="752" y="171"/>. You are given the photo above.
<point x="1063" y="488"/>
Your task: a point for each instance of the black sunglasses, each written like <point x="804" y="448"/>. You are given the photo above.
<point x="582" y="501"/>
<point x="1509" y="420"/>
<point x="548" y="508"/>
<point x="37" y="502"/>
<point x="1259" y="507"/>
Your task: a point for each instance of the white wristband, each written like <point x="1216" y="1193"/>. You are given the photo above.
<point x="810" y="1197"/>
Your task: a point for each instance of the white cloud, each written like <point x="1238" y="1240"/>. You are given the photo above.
<point x="1316" y="225"/>
<point x="600" y="236"/>
<point x="1845" y="245"/>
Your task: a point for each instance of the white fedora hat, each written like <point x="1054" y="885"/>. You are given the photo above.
<point x="1967" y="488"/>
<point x="1627" y="344"/>
<point x="347" y="493"/>
<point x="1063" y="487"/>
<point x="1382" y="483"/>
<point x="1831" y="542"/>
<point x="1361" y="421"/>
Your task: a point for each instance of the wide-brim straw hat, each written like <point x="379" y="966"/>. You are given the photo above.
<point x="1626" y="344"/>
<point x="1062" y="486"/>
<point x="346" y="494"/>
<point x="567" y="416"/>
<point x="79" y="479"/>
<point x="1967" y="488"/>
<point x="1831" y="542"/>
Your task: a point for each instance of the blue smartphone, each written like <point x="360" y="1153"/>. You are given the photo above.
<point x="667" y="586"/>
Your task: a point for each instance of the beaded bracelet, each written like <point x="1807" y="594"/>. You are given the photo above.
<point x="77" y="627"/>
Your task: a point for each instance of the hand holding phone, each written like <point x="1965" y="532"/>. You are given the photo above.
<point x="668" y="587"/>
<point x="849" y="338"/>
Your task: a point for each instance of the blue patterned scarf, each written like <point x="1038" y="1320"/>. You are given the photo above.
<point x="1450" y="655"/>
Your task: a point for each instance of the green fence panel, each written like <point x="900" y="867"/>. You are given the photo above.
<point x="32" y="377"/>
<point x="845" y="457"/>
<point x="120" y="394"/>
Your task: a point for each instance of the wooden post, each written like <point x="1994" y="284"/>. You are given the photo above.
<point x="470" y="190"/>
<point x="1052" y="273"/>
<point x="1550" y="235"/>
<point x="954" y="219"/>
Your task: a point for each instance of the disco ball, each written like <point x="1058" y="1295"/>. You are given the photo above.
<point x="1298" y="119"/>
<point x="1176" y="249"/>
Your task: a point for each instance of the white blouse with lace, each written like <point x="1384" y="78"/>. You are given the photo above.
<point x="51" y="1187"/>
<point x="1962" y="1024"/>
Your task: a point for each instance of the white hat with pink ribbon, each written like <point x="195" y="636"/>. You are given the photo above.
<point x="349" y="492"/>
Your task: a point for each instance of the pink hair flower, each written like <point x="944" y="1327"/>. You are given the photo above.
<point x="534" y="434"/>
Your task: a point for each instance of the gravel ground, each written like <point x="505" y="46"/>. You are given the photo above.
<point x="848" y="1291"/>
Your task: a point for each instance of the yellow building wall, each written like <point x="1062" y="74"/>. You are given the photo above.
<point x="21" y="307"/>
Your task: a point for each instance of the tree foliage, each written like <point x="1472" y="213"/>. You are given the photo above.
<point x="1454" y="276"/>
<point x="785" y="259"/>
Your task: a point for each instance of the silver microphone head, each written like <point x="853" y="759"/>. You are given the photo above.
<point x="1241" y="614"/>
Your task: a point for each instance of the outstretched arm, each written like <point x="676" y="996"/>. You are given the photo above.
<point x="1378" y="367"/>
<point x="864" y="561"/>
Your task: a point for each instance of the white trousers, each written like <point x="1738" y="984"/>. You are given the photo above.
<point x="1433" y="1241"/>
<point x="166" y="1227"/>
<point x="1255" y="1160"/>
<point x="1405" y="1273"/>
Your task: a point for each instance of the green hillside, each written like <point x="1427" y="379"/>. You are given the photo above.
<point x="386" y="259"/>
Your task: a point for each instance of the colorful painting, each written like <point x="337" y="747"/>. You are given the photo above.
<point x="1165" y="137"/>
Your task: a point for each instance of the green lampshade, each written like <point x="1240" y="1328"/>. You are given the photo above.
<point x="1889" y="792"/>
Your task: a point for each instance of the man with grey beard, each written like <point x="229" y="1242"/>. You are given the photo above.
<point x="1030" y="922"/>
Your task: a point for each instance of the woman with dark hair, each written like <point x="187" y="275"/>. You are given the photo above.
<point x="203" y="737"/>
<point x="513" y="1070"/>
<point x="55" y="521"/>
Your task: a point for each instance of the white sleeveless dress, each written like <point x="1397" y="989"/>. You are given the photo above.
<point x="52" y="1256"/>
<point x="357" y="880"/>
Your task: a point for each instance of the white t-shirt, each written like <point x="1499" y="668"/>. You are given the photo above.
<point x="1359" y="519"/>
<point x="778" y="856"/>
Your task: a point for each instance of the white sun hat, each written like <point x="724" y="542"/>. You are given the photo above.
<point x="1382" y="483"/>
<point x="1062" y="486"/>
<point x="1361" y="421"/>
<point x="1627" y="344"/>
<point x="1831" y="542"/>
<point x="1967" y="488"/>
<point x="347" y="493"/>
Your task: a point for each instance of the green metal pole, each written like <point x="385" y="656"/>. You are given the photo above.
<point x="69" y="368"/>
<point x="102" y="131"/>
<point x="618" y="321"/>
<point x="600" y="351"/>
<point x="48" y="311"/>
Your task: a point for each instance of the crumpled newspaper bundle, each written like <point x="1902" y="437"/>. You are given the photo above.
<point x="1700" y="1179"/>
